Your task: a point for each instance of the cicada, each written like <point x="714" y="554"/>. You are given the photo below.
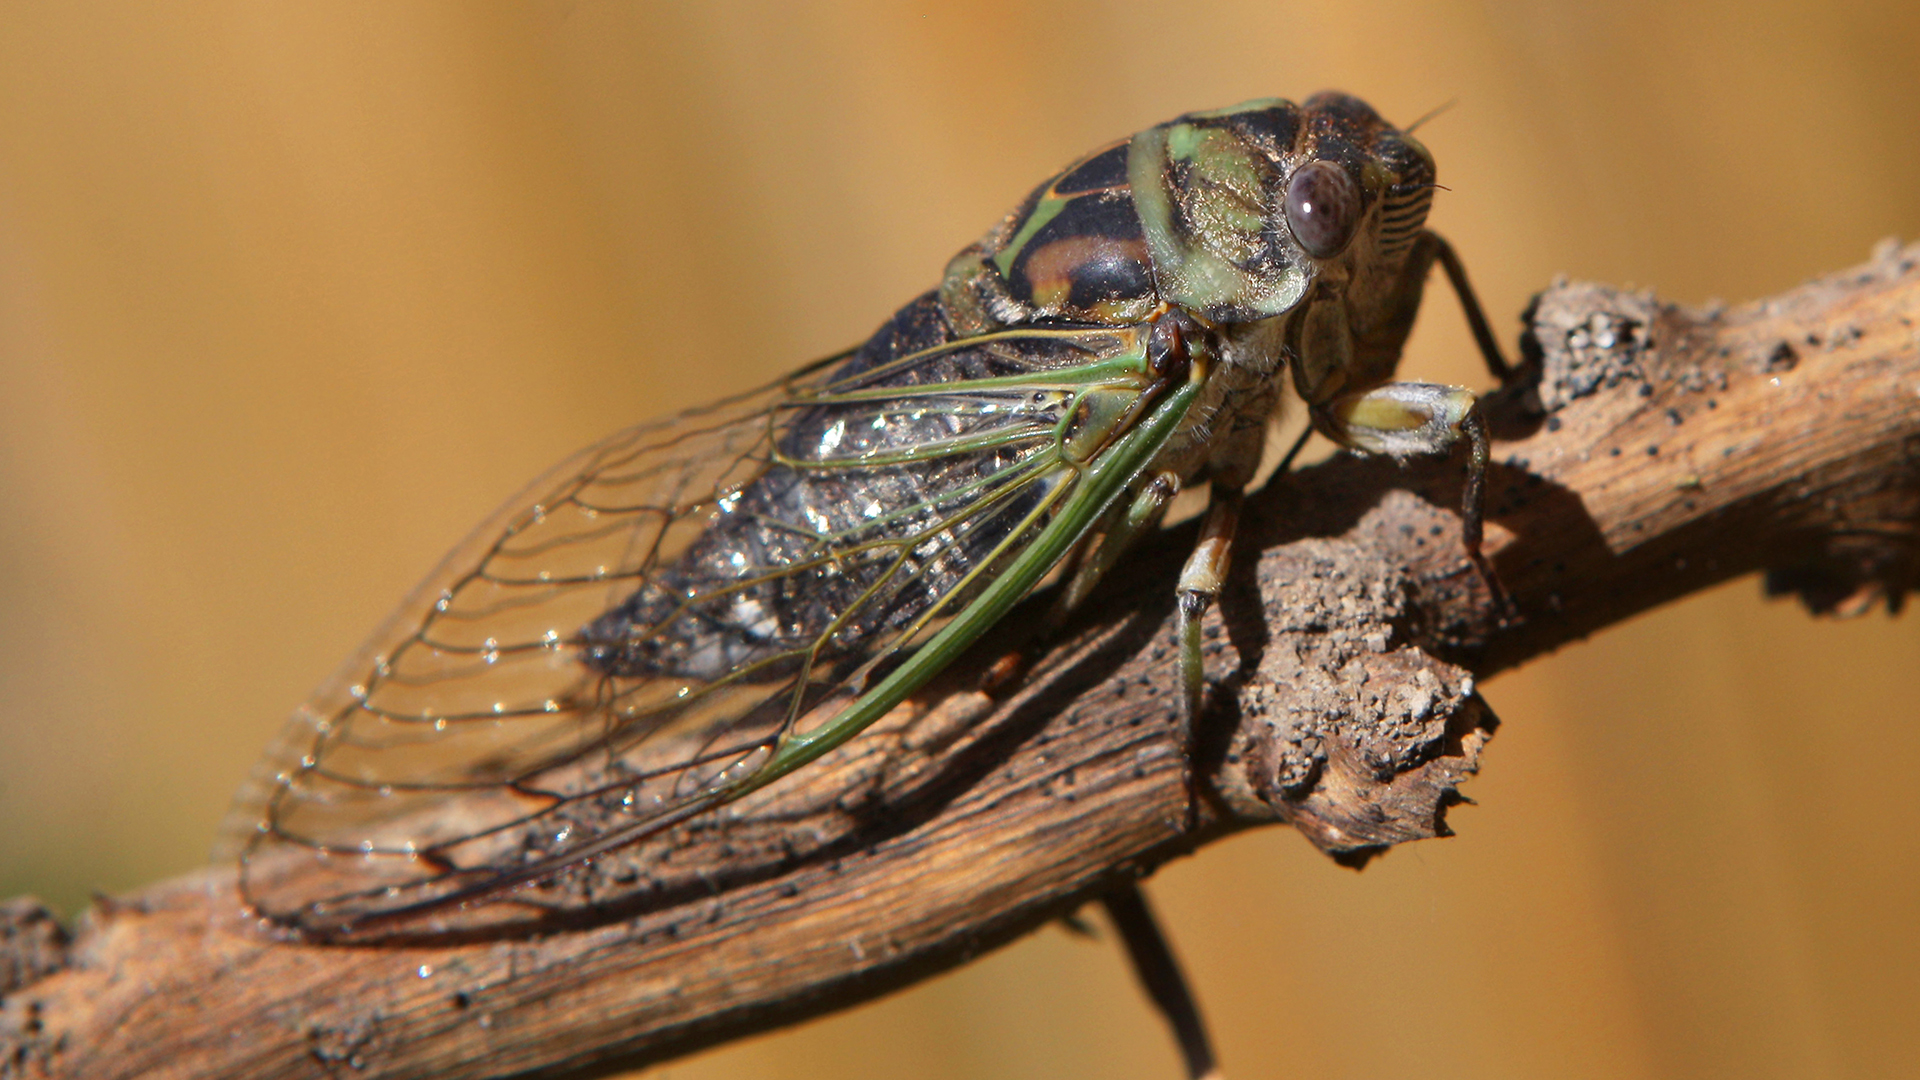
<point x="695" y="608"/>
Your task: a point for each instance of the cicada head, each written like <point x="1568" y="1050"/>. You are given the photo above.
<point x="1245" y="210"/>
<point x="1359" y="189"/>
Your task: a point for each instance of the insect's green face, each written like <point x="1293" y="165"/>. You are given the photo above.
<point x="1246" y="209"/>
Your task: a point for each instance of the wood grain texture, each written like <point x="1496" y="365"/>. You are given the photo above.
<point x="1656" y="451"/>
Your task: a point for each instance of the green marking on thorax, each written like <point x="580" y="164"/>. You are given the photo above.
<point x="1183" y="142"/>
<point x="1151" y="200"/>
<point x="1044" y="211"/>
<point x="1226" y="207"/>
<point x="1226" y="194"/>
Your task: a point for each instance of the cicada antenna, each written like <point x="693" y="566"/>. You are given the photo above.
<point x="1431" y="113"/>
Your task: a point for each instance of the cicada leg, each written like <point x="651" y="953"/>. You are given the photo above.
<point x="1141" y="517"/>
<point x="1160" y="975"/>
<point x="1200" y="583"/>
<point x="1147" y="948"/>
<point x="1470" y="304"/>
<point x="1123" y="525"/>
<point x="1401" y="419"/>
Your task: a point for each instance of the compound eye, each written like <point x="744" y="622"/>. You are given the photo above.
<point x="1323" y="208"/>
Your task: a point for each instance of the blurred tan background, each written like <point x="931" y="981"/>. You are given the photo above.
<point x="291" y="295"/>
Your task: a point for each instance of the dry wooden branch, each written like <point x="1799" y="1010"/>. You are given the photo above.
<point x="1655" y="451"/>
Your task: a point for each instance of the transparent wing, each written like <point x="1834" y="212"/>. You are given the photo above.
<point x="635" y="635"/>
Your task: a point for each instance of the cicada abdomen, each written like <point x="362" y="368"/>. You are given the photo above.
<point x="693" y="609"/>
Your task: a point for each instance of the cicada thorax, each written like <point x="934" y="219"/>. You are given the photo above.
<point x="1074" y="251"/>
<point x="1186" y="214"/>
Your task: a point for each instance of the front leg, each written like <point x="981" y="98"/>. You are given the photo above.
<point x="1230" y="468"/>
<point x="1401" y="419"/>
<point x="1470" y="305"/>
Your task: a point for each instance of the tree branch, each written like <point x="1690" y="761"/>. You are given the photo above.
<point x="1650" y="451"/>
